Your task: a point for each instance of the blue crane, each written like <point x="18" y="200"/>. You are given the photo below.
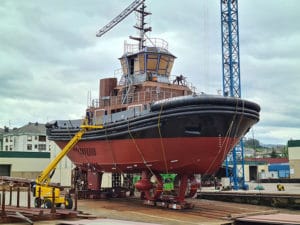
<point x="231" y="81"/>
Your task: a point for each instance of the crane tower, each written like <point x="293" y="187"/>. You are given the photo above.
<point x="231" y="79"/>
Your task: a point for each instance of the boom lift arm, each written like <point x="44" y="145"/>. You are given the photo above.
<point x="42" y="191"/>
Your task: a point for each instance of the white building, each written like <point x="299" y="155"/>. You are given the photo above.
<point x="26" y="152"/>
<point x="31" y="138"/>
<point x="294" y="158"/>
<point x="63" y="172"/>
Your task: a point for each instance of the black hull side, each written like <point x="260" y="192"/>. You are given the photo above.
<point x="188" y="116"/>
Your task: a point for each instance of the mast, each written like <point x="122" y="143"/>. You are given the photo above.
<point x="141" y="26"/>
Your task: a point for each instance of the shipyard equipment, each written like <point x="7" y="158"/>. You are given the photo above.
<point x="231" y="80"/>
<point x="47" y="194"/>
<point x="133" y="6"/>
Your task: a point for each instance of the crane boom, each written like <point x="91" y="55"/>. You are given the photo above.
<point x="120" y="17"/>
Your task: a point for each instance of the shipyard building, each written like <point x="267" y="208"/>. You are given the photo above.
<point x="294" y="158"/>
<point x="26" y="151"/>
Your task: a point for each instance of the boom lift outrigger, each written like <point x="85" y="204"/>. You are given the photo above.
<point x="42" y="190"/>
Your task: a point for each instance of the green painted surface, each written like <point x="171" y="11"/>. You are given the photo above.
<point x="168" y="180"/>
<point x="136" y="178"/>
<point x="294" y="143"/>
<point x="5" y="154"/>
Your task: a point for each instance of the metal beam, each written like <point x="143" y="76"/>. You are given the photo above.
<point x="120" y="17"/>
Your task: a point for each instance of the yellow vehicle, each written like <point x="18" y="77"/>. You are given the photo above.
<point x="44" y="193"/>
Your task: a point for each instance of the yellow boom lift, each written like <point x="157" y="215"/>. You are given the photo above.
<point x="43" y="192"/>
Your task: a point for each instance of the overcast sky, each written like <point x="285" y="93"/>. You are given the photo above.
<point x="51" y="58"/>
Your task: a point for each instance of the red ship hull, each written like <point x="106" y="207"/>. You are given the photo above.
<point x="185" y="135"/>
<point x="191" y="155"/>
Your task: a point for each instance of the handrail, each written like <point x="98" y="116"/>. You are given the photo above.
<point x="138" y="97"/>
<point x="150" y="42"/>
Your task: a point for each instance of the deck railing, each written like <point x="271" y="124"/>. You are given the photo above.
<point x="142" y="97"/>
<point x="150" y="42"/>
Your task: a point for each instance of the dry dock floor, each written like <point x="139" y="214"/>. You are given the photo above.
<point x="206" y="212"/>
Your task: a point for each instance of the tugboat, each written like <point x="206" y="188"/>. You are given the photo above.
<point x="155" y="123"/>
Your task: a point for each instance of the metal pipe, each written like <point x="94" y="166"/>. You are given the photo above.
<point x="76" y="198"/>
<point x="18" y="197"/>
<point x="53" y="201"/>
<point x="3" y="202"/>
<point x="10" y="195"/>
<point x="28" y="197"/>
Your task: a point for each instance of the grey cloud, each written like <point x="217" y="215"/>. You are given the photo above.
<point x="50" y="57"/>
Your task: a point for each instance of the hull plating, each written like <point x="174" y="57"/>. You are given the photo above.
<point x="182" y="135"/>
<point x="179" y="155"/>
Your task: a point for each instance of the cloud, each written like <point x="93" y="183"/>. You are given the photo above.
<point x="51" y="58"/>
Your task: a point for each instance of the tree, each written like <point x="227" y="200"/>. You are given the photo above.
<point x="251" y="143"/>
<point x="285" y="152"/>
<point x="273" y="154"/>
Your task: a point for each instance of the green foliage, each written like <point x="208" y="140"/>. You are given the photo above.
<point x="273" y="154"/>
<point x="252" y="143"/>
<point x="285" y="153"/>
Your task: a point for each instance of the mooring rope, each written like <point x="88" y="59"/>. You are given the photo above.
<point x="112" y="152"/>
<point x="139" y="150"/>
<point x="226" y="139"/>
<point x="161" y="139"/>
